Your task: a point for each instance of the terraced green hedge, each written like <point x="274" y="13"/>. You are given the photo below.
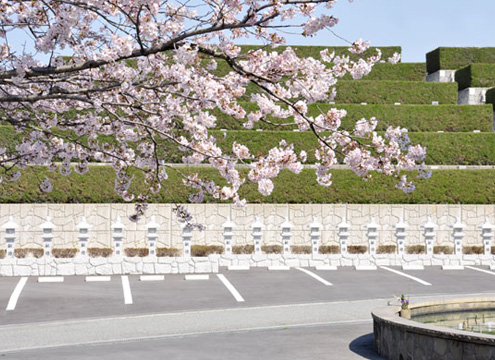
<point x="453" y="58"/>
<point x="445" y="187"/>
<point x="390" y="92"/>
<point x="490" y="97"/>
<point x="442" y="148"/>
<point x="397" y="72"/>
<point x="452" y="118"/>
<point x="476" y="75"/>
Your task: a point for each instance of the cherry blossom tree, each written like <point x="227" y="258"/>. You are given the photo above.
<point x="143" y="71"/>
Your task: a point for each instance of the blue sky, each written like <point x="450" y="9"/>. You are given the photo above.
<point x="418" y="26"/>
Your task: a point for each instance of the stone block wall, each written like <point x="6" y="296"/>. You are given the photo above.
<point x="65" y="217"/>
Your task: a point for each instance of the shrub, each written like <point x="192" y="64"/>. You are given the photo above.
<point x="468" y="250"/>
<point x="301" y="249"/>
<point x="100" y="252"/>
<point x="452" y="58"/>
<point x="205" y="250"/>
<point x="446" y="250"/>
<point x="490" y="97"/>
<point x="476" y="75"/>
<point x="168" y="252"/>
<point x="357" y="249"/>
<point x="472" y="148"/>
<point x="25" y="252"/>
<point x="3" y="252"/>
<point x="416" y="117"/>
<point x="272" y="249"/>
<point x="390" y="92"/>
<point x="329" y="249"/>
<point x="416" y="249"/>
<point x="136" y="252"/>
<point x="492" y="250"/>
<point x="64" y="253"/>
<point x="386" y="249"/>
<point x="242" y="249"/>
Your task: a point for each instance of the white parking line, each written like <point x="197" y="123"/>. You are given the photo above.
<point x="97" y="278"/>
<point x="231" y="288"/>
<point x="50" y="279"/>
<point x="16" y="293"/>
<point x="197" y="277"/>
<point x="314" y="276"/>
<point x="406" y="275"/>
<point x="152" y="278"/>
<point x="481" y="270"/>
<point x="127" y="290"/>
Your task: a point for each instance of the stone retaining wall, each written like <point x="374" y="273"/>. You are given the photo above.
<point x="66" y="217"/>
<point x="115" y="265"/>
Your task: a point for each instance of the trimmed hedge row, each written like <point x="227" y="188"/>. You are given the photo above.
<point x="490" y="97"/>
<point x="390" y="92"/>
<point x="442" y="148"/>
<point x="453" y="58"/>
<point x="444" y="187"/>
<point x="386" y="92"/>
<point x="452" y="118"/>
<point x="476" y="75"/>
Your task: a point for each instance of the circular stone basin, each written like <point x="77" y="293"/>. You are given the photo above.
<point x="398" y="338"/>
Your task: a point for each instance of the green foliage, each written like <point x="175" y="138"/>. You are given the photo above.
<point x="96" y="186"/>
<point x="476" y="75"/>
<point x="452" y="118"/>
<point x="490" y="97"/>
<point x="390" y="92"/>
<point x="442" y="148"/>
<point x="453" y="58"/>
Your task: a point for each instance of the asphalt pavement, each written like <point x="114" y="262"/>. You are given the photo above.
<point x="250" y="314"/>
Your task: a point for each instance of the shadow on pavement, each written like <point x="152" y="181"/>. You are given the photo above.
<point x="363" y="346"/>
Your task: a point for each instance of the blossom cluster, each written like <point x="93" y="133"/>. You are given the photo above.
<point x="124" y="76"/>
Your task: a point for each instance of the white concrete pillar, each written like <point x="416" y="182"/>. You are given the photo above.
<point x="10" y="236"/>
<point x="487" y="236"/>
<point x="152" y="235"/>
<point x="286" y="235"/>
<point x="118" y="236"/>
<point x="47" y="236"/>
<point x="400" y="235"/>
<point x="315" y="235"/>
<point x="83" y="236"/>
<point x="372" y="234"/>
<point x="343" y="235"/>
<point x="228" y="235"/>
<point x="458" y="236"/>
<point x="186" y="239"/>
<point x="257" y="227"/>
<point x="429" y="233"/>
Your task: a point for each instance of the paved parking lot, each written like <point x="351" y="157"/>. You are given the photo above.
<point x="76" y="298"/>
<point x="309" y="302"/>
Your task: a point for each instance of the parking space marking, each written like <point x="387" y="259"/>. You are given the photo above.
<point x="314" y="276"/>
<point x="16" y="293"/>
<point x="50" y="279"/>
<point x="231" y="288"/>
<point x="197" y="277"/>
<point x="481" y="270"/>
<point x="152" y="278"/>
<point x="406" y="275"/>
<point x="126" y="287"/>
<point x="97" y="278"/>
